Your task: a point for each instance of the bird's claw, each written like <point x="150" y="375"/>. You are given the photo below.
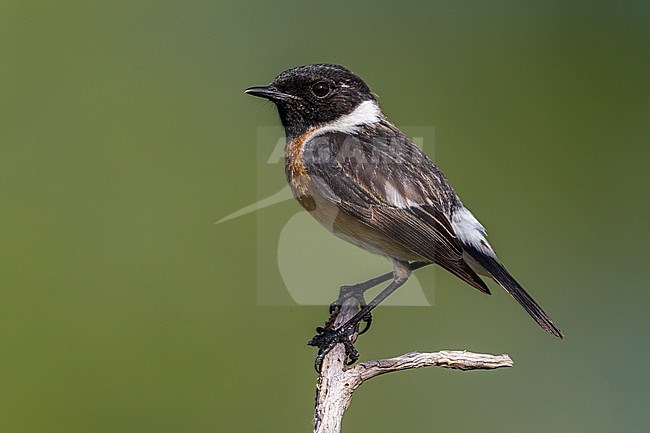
<point x="327" y="338"/>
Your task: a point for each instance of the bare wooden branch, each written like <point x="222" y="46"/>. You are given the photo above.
<point x="454" y="359"/>
<point x="332" y="393"/>
<point x="337" y="382"/>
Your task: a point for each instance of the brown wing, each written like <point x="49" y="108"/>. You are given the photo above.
<point x="389" y="185"/>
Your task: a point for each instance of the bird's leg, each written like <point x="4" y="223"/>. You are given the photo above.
<point x="327" y="338"/>
<point x="357" y="291"/>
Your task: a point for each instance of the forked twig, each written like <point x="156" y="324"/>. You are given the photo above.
<point x="337" y="381"/>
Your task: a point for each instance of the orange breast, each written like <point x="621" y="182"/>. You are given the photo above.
<point x="295" y="170"/>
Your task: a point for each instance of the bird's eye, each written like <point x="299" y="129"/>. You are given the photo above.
<point x="320" y="89"/>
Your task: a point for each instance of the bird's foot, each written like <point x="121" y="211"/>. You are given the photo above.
<point x="327" y="338"/>
<point x="354" y="291"/>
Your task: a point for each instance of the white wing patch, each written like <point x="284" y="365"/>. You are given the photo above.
<point x="470" y="231"/>
<point x="396" y="199"/>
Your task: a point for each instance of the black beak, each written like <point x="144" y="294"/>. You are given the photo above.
<point x="269" y="92"/>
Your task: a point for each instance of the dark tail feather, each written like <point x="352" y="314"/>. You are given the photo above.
<point x="501" y="276"/>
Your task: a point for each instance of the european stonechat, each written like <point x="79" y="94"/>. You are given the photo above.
<point x="366" y="182"/>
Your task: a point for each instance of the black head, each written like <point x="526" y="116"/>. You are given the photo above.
<point x="313" y="95"/>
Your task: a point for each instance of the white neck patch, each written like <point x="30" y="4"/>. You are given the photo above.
<point x="366" y="113"/>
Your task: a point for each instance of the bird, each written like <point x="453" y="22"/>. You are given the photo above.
<point x="361" y="178"/>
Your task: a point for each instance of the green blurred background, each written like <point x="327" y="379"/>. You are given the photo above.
<point x="125" y="135"/>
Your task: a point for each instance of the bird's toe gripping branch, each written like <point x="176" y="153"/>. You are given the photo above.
<point x="327" y="338"/>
